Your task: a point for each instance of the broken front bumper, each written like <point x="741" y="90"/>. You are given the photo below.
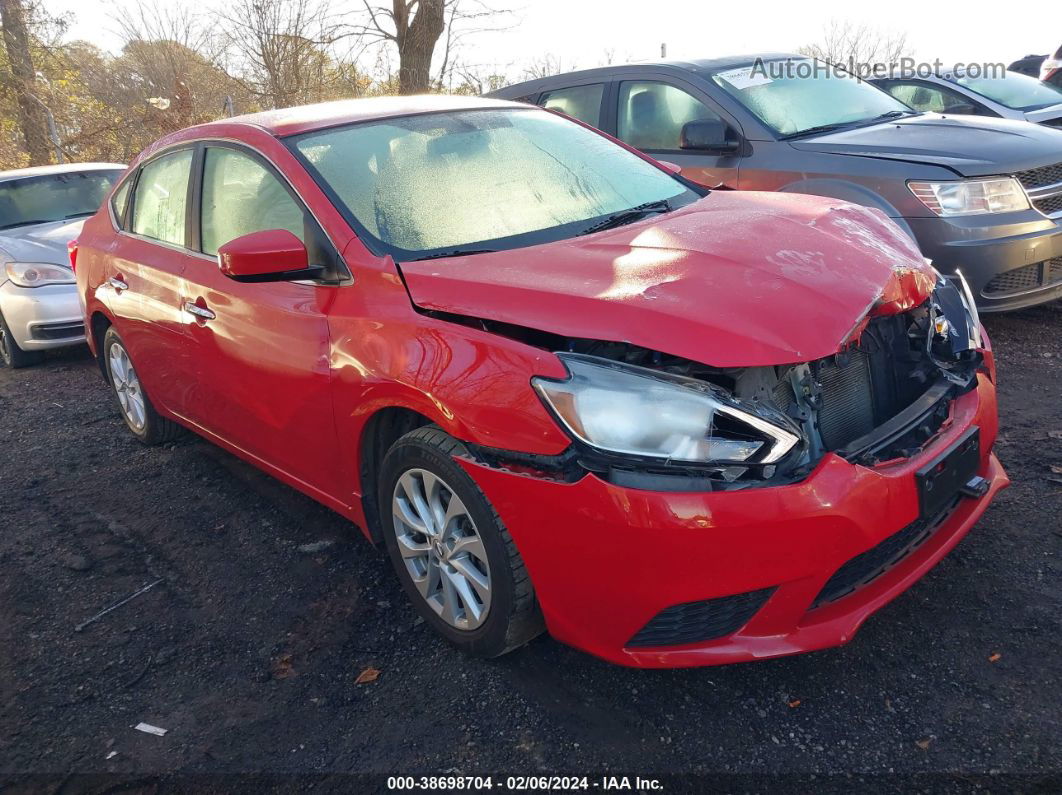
<point x="606" y="561"/>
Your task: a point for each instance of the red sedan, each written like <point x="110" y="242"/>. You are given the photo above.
<point x="562" y="386"/>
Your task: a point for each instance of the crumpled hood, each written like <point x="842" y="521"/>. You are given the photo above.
<point x="40" y="242"/>
<point x="736" y="279"/>
<point x="969" y="145"/>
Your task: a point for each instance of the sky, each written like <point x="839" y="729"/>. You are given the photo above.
<point x="580" y="31"/>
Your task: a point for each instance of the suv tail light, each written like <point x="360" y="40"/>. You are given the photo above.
<point x="71" y="248"/>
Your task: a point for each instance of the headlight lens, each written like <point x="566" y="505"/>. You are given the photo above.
<point x="971" y="196"/>
<point x="636" y="411"/>
<point x="37" y="274"/>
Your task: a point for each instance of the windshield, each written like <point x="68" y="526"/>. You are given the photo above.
<point x="1015" y="90"/>
<point x="795" y="95"/>
<point x="476" y="180"/>
<point x="53" y="197"/>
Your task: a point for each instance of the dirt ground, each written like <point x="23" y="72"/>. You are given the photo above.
<point x="270" y="606"/>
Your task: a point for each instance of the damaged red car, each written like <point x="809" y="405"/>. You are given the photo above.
<point x="563" y="387"/>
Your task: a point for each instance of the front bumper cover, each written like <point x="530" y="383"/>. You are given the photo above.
<point x="605" y="559"/>
<point x="42" y="317"/>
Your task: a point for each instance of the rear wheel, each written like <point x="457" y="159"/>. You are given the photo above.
<point x="11" y="355"/>
<point x="455" y="559"/>
<point x="137" y="411"/>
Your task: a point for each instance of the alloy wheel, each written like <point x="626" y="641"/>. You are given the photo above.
<point x="441" y="549"/>
<point x="127" y="386"/>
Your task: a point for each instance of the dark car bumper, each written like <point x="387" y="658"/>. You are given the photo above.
<point x="1009" y="265"/>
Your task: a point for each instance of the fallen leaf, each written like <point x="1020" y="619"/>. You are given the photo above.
<point x="795" y="702"/>
<point x="995" y="657"/>
<point x="282" y="668"/>
<point x="923" y="744"/>
<point x="1055" y="434"/>
<point x="1056" y="469"/>
<point x="368" y="675"/>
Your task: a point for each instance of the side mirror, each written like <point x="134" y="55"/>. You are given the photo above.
<point x="709" y="135"/>
<point x="669" y="167"/>
<point x="272" y="255"/>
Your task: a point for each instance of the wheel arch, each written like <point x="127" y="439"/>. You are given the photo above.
<point x="382" y="429"/>
<point x="98" y="325"/>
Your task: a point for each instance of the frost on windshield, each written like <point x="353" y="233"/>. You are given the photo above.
<point x="445" y="180"/>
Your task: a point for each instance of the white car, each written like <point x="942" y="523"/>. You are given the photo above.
<point x="1011" y="95"/>
<point x="41" y="211"/>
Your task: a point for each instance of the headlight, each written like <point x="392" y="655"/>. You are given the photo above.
<point x="36" y="274"/>
<point x="972" y="196"/>
<point x="637" y="411"/>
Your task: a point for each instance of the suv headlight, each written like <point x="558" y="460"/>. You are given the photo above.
<point x="972" y="196"/>
<point x="37" y="274"/>
<point x="636" y="411"/>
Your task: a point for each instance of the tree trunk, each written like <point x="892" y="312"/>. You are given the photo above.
<point x="31" y="115"/>
<point x="416" y="43"/>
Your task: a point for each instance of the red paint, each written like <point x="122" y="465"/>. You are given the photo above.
<point x="268" y="251"/>
<point x="288" y="375"/>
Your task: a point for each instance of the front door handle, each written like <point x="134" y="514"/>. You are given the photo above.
<point x="117" y="284"/>
<point x="193" y="308"/>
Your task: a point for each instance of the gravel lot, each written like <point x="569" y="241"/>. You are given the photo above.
<point x="270" y="606"/>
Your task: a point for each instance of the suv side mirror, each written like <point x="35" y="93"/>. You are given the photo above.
<point x="709" y="135"/>
<point x="271" y="255"/>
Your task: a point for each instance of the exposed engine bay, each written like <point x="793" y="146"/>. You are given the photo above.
<point x="884" y="396"/>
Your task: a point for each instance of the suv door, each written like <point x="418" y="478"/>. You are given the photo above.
<point x="650" y="117"/>
<point x="141" y="278"/>
<point x="261" y="350"/>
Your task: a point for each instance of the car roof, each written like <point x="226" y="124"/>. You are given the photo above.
<point x="304" y="118"/>
<point x="64" y="168"/>
<point x="698" y="65"/>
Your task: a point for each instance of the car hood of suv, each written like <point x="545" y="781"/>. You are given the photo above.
<point x="968" y="145"/>
<point x="40" y="242"/>
<point x="736" y="279"/>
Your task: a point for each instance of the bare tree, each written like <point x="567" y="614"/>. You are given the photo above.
<point x="414" y="27"/>
<point x="282" y="46"/>
<point x="545" y="65"/>
<point x="22" y="79"/>
<point x="848" y="44"/>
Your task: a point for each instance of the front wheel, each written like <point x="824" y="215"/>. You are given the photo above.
<point x="455" y="559"/>
<point x="137" y="411"/>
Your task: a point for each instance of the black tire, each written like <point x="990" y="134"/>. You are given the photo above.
<point x="156" y="428"/>
<point x="11" y="355"/>
<point x="513" y="617"/>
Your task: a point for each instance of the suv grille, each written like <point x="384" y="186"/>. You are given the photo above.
<point x="869" y="565"/>
<point x="696" y="622"/>
<point x="1040" y="177"/>
<point x="1026" y="278"/>
<point x="1044" y="186"/>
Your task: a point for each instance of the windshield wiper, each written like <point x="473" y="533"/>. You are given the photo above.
<point x="628" y="216"/>
<point x="79" y="214"/>
<point x="27" y="222"/>
<point x="892" y="114"/>
<point x="457" y="252"/>
<point x="820" y="128"/>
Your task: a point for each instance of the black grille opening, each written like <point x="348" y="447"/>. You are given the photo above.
<point x="1027" y="277"/>
<point x="696" y="622"/>
<point x="1049" y="205"/>
<point x="1040" y="177"/>
<point x="58" y="331"/>
<point x="869" y="565"/>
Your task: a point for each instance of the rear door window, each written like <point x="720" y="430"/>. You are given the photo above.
<point x="162" y="197"/>
<point x="652" y="114"/>
<point x="579" y="102"/>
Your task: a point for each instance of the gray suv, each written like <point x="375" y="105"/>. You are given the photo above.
<point x="978" y="194"/>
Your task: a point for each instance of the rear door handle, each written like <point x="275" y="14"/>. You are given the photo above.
<point x="193" y="308"/>
<point x="117" y="284"/>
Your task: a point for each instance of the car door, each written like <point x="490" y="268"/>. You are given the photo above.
<point x="650" y="115"/>
<point x="261" y="349"/>
<point x="141" y="279"/>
